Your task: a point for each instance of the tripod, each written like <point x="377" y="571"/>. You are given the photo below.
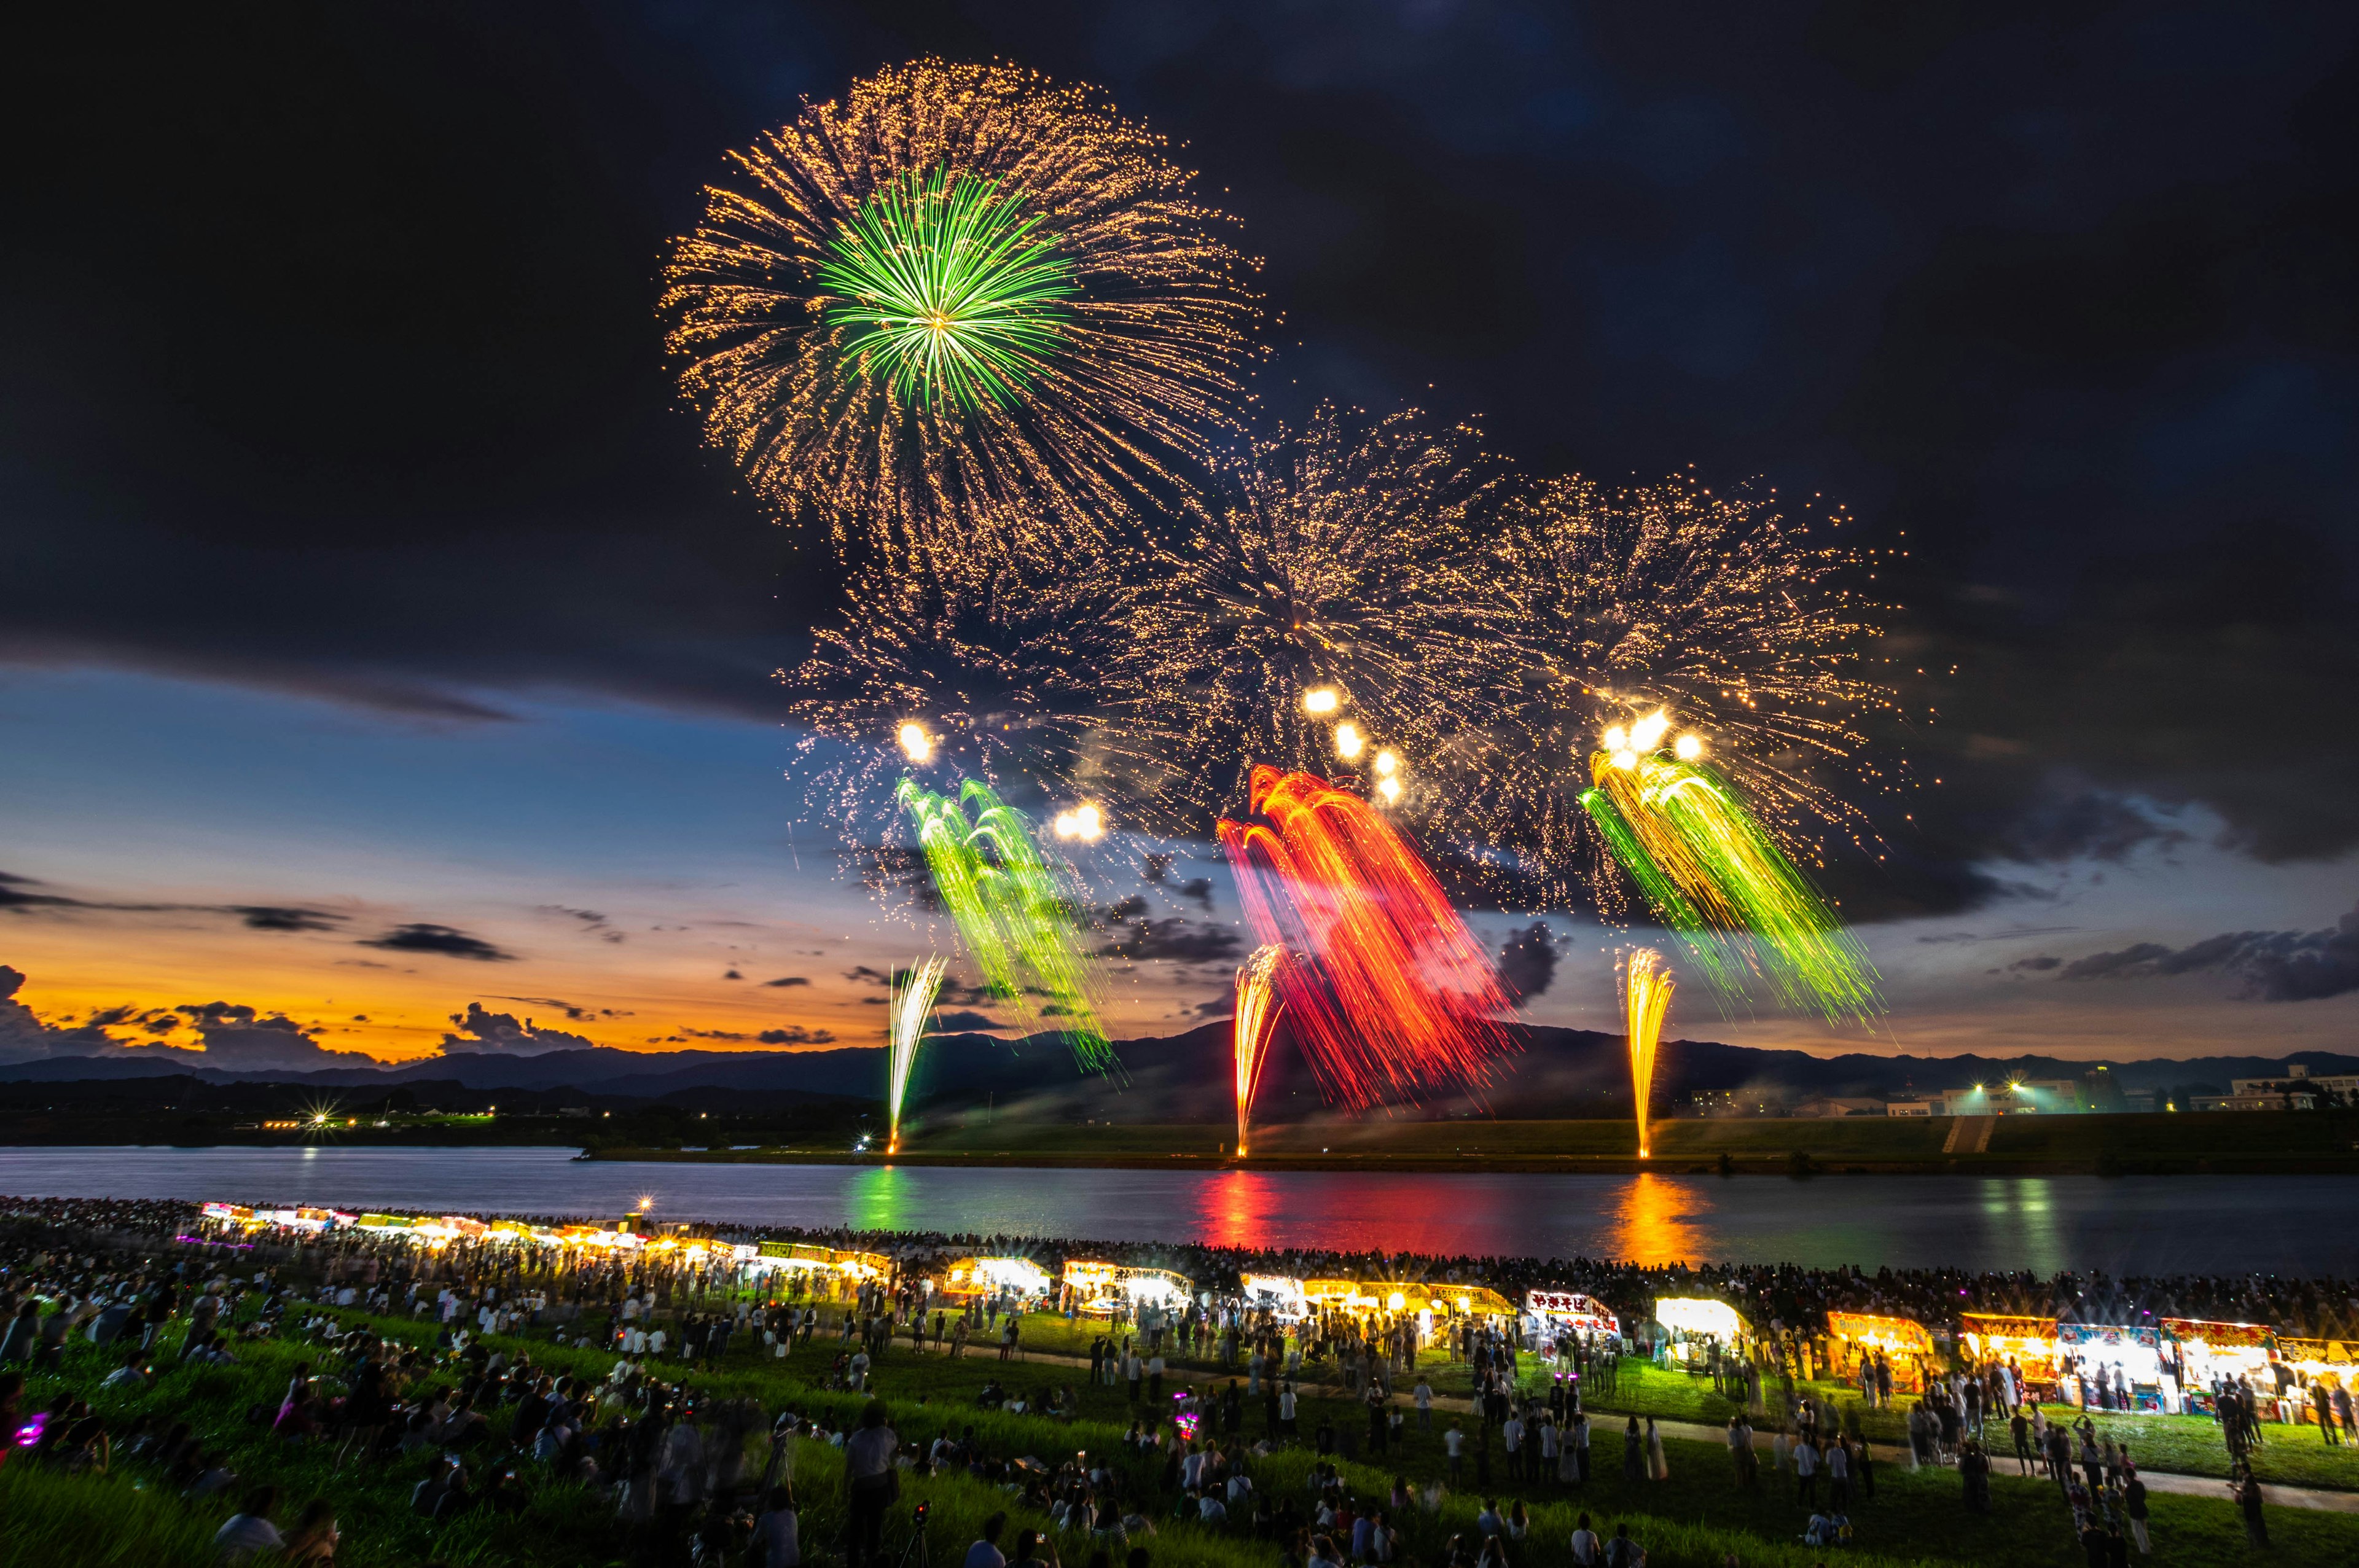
<point x="916" y="1555"/>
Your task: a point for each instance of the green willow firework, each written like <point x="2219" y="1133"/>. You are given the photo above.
<point x="1007" y="906"/>
<point x="1715" y="877"/>
<point x="952" y="293"/>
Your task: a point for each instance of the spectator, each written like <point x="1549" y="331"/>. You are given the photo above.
<point x="873" y="1484"/>
<point x="778" y="1532"/>
<point x="249" y="1530"/>
<point x="985" y="1552"/>
<point x="313" y="1544"/>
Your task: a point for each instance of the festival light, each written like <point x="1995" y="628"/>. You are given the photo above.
<point x="1258" y="1007"/>
<point x="1016" y="920"/>
<point x="1646" y="998"/>
<point x="1390" y="994"/>
<point x="912" y="1000"/>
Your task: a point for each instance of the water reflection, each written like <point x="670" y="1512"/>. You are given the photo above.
<point x="2134" y="1225"/>
<point x="1651" y="1226"/>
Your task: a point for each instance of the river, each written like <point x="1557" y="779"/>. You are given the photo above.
<point x="2134" y="1225"/>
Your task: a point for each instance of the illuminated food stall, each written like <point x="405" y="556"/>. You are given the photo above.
<point x="2029" y="1342"/>
<point x="1019" y="1277"/>
<point x="2112" y="1367"/>
<point x="1280" y="1295"/>
<point x="826" y="1270"/>
<point x="2328" y="1363"/>
<point x="2211" y="1353"/>
<point x="1099" y="1289"/>
<point x="1562" y="1312"/>
<point x="1902" y="1341"/>
<point x="1697" y="1321"/>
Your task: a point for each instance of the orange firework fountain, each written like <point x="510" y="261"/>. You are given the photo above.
<point x="1257" y="1009"/>
<point x="1384" y="988"/>
<point x="1646" y="998"/>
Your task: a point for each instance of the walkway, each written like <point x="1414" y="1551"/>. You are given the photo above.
<point x="2318" y="1498"/>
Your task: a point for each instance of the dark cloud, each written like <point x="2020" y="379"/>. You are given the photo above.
<point x="483" y="1032"/>
<point x="2038" y="963"/>
<point x="797" y="1036"/>
<point x="13" y="895"/>
<point x="593" y="921"/>
<point x="960" y="1021"/>
<point x="788" y="980"/>
<point x="732" y="975"/>
<point x="573" y="1010"/>
<point x="2094" y="371"/>
<point x="1221" y="1006"/>
<point x="1177" y="939"/>
<point x="1128" y="907"/>
<point x="279" y="917"/>
<point x="1155" y="869"/>
<point x="439" y="940"/>
<point x="1527" y="963"/>
<point x="1198" y="891"/>
<point x="862" y="975"/>
<point x="2275" y="965"/>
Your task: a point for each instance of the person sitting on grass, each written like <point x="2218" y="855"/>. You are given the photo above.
<point x="132" y="1374"/>
<point x="249" y="1530"/>
<point x="313" y="1544"/>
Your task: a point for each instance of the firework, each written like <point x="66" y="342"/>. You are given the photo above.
<point x="1318" y="617"/>
<point x="1715" y="875"/>
<point x="1606" y="605"/>
<point x="1257" y="1012"/>
<point x="963" y="310"/>
<point x="1392" y="995"/>
<point x="1646" y="998"/>
<point x="912" y="1000"/>
<point x="1014" y="918"/>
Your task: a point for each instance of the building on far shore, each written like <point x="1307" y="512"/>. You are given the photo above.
<point x="2297" y="1090"/>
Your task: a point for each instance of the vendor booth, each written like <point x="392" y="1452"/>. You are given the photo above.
<point x="1104" y="1289"/>
<point x="1696" y="1324"/>
<point x="2101" y="1367"/>
<point x="1018" y="1278"/>
<point x="1280" y="1295"/>
<point x="2027" y="1343"/>
<point x="2328" y="1364"/>
<point x="1903" y="1342"/>
<point x="1554" y="1314"/>
<point x="2210" y="1354"/>
<point x="823" y="1271"/>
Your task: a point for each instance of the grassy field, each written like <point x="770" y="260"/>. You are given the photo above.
<point x="2212" y="1142"/>
<point x="1692" y="1520"/>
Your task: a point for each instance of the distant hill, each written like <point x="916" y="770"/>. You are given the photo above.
<point x="1183" y="1077"/>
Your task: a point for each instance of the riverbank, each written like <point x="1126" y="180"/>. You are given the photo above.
<point x="2216" y="1143"/>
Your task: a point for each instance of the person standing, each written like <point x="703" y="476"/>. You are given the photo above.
<point x="1658" y="1466"/>
<point x="1424" y="1405"/>
<point x="871" y="1483"/>
<point x="1806" y="1470"/>
<point x="1633" y="1453"/>
<point x="2134" y="1510"/>
<point x="2248" y="1501"/>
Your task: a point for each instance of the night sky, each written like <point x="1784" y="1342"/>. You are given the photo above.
<point x="378" y="641"/>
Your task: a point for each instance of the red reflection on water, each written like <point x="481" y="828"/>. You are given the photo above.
<point x="1347" y="1213"/>
<point x="1651" y="1221"/>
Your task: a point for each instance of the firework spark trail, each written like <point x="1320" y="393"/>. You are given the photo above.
<point x="1007" y="906"/>
<point x="1415" y="999"/>
<point x="960" y="315"/>
<point x="1731" y="879"/>
<point x="912" y="1000"/>
<point x="1601" y="604"/>
<point x="1258" y="1007"/>
<point x="1646" y="998"/>
<point x="1340" y="558"/>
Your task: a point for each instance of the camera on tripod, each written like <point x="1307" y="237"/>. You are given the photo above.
<point x="918" y="1515"/>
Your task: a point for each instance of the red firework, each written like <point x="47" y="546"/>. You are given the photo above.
<point x="1396" y="996"/>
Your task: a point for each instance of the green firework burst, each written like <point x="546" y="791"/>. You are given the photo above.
<point x="1008" y="908"/>
<point x="953" y="293"/>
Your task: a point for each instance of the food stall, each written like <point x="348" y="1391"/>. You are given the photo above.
<point x="2315" y="1363"/>
<point x="1102" y="1289"/>
<point x="1555" y="1314"/>
<point x="1696" y="1322"/>
<point x="2112" y="1367"/>
<point x="1278" y="1294"/>
<point x="1903" y="1341"/>
<point x="2029" y="1342"/>
<point x="2209" y="1354"/>
<point x="829" y="1270"/>
<point x="1018" y="1279"/>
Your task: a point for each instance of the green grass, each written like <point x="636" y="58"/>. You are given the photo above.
<point x="1697" y="1518"/>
